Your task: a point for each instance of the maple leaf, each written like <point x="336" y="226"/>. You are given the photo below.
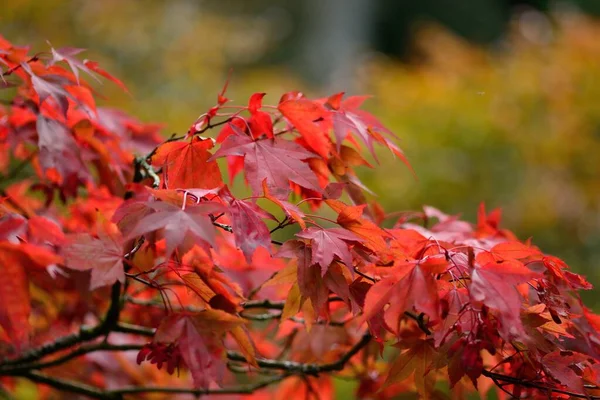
<point x="58" y="151"/>
<point x="50" y="86"/>
<point x="175" y="223"/>
<point x="310" y="282"/>
<point x="418" y="359"/>
<point x="561" y="365"/>
<point x="260" y="122"/>
<point x="199" y="338"/>
<point x="494" y="285"/>
<point x="16" y="305"/>
<point x="410" y="285"/>
<point x="275" y="160"/>
<point x="348" y="118"/>
<point x="102" y="255"/>
<point x="16" y="261"/>
<point x="558" y="269"/>
<point x="312" y="120"/>
<point x="514" y="250"/>
<point x="68" y="54"/>
<point x="291" y="210"/>
<point x="328" y="243"/>
<point x="185" y="164"/>
<point x="249" y="229"/>
<point x="350" y="217"/>
<point x="92" y="65"/>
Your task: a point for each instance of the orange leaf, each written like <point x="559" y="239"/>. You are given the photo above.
<point x="186" y="165"/>
<point x="350" y="217"/>
<point x="514" y="250"/>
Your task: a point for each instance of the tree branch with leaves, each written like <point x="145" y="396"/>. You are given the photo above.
<point x="130" y="267"/>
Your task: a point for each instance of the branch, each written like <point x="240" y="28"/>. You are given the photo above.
<point x="306" y="369"/>
<point x="420" y="321"/>
<point x="134" y="329"/>
<point x="519" y="382"/>
<point x="85" y="349"/>
<point x="85" y="334"/>
<point x="71" y="386"/>
<point x="245" y="389"/>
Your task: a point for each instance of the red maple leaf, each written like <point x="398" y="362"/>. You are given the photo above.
<point x="186" y="165"/>
<point x="249" y="229"/>
<point x="68" y="54"/>
<point x="311" y="120"/>
<point x="277" y="161"/>
<point x="328" y="243"/>
<point x="176" y="223"/>
<point x="494" y="284"/>
<point x="103" y="255"/>
<point x="59" y="156"/>
<point x="409" y="285"/>
<point x="199" y="338"/>
<point x="260" y="122"/>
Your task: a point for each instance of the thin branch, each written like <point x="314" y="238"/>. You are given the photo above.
<point x="85" y="349"/>
<point x="420" y="321"/>
<point x="134" y="329"/>
<point x="535" y="385"/>
<point x="245" y="389"/>
<point x="71" y="386"/>
<point x="306" y="369"/>
<point x="370" y="278"/>
<point x="84" y="334"/>
<point x="267" y="304"/>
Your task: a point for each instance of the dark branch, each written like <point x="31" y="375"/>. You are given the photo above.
<point x="85" y="349"/>
<point x="535" y="385"/>
<point x="307" y="369"/>
<point x="245" y="389"/>
<point x="420" y="321"/>
<point x="71" y="386"/>
<point x="85" y="334"/>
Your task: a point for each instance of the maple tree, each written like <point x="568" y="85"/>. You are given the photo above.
<point x="122" y="252"/>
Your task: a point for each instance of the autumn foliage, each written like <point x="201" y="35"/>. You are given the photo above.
<point x="131" y="270"/>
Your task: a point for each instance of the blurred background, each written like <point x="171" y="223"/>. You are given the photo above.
<point x="495" y="100"/>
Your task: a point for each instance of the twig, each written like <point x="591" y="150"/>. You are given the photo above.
<point x="134" y="329"/>
<point x="519" y="382"/>
<point x="420" y="321"/>
<point x="85" y="349"/>
<point x="306" y="369"/>
<point x="245" y="389"/>
<point x="71" y="386"/>
<point x="85" y="334"/>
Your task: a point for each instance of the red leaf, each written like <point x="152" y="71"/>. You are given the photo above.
<point x="276" y="160"/>
<point x="14" y="296"/>
<point x="199" y="338"/>
<point x="514" y="250"/>
<point x="411" y="285"/>
<point x="327" y="243"/>
<point x="560" y="364"/>
<point x="68" y="54"/>
<point x="255" y="102"/>
<point x="310" y="282"/>
<point x="350" y="217"/>
<point x="50" y="86"/>
<point x="176" y="223"/>
<point x="249" y="229"/>
<point x="186" y="165"/>
<point x="103" y="255"/>
<point x="494" y="285"/>
<point x="311" y="119"/>
<point x="92" y="65"/>
<point x="58" y="151"/>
